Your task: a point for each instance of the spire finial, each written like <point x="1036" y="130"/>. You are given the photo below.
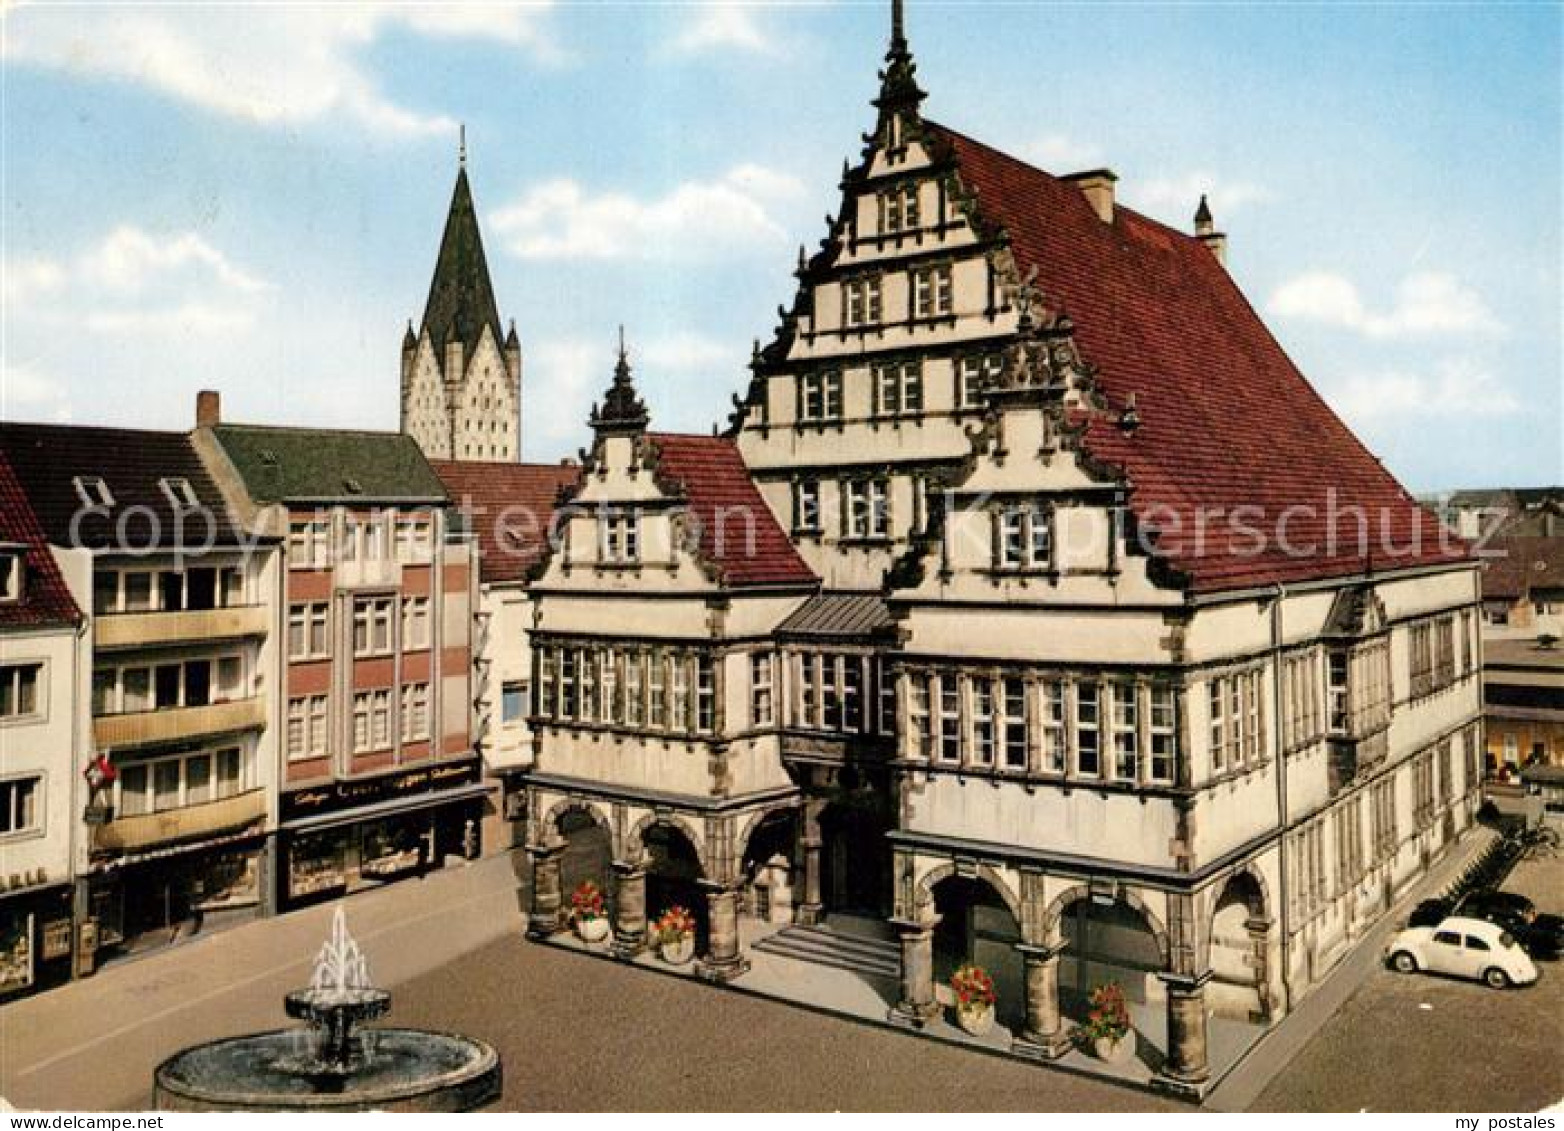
<point x="622" y="354"/>
<point x="461" y="145"/>
<point x="621" y="410"/>
<point x="898" y="81"/>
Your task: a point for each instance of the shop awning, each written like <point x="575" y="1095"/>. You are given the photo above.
<point x="393" y="807"/>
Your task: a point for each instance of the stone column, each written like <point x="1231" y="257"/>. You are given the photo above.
<point x="917" y="1005"/>
<point x="1187" y="1068"/>
<point x="629" y="908"/>
<point x="1045" y="1035"/>
<point x="722" y="962"/>
<point x="811" y="907"/>
<point x="547" y="899"/>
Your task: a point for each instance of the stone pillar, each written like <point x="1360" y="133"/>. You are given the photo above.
<point x="722" y="962"/>
<point x="811" y="908"/>
<point x="547" y="899"/>
<point x="917" y="1005"/>
<point x="1187" y="1068"/>
<point x="1045" y="1035"/>
<point x="629" y="908"/>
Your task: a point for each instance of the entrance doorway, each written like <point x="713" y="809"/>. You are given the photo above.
<point x="673" y="873"/>
<point x="976" y="926"/>
<point x="856" y="877"/>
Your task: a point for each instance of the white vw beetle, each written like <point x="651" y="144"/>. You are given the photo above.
<point x="1465" y="948"/>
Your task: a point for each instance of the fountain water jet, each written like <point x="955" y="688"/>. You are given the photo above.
<point x="333" y="1065"/>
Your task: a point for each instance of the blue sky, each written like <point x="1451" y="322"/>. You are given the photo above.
<point x="250" y="198"/>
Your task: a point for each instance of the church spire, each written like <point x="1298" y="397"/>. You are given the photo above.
<point x="899" y="88"/>
<point x="461" y="297"/>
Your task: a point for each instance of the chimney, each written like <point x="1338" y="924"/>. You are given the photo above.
<point x="1206" y="233"/>
<point x="209" y="408"/>
<point x="1097" y="186"/>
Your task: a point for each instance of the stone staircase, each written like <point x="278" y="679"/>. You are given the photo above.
<point x="875" y="957"/>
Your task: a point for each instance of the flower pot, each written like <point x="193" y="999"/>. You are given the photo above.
<point x="593" y="930"/>
<point x="678" y="951"/>
<point x="1120" y="1051"/>
<point x="975" y="1019"/>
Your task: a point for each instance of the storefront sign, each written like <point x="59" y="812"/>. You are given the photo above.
<point x="56" y="939"/>
<point x="316" y="800"/>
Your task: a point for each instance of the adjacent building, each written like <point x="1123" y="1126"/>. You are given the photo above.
<point x="377" y="778"/>
<point x="43" y="749"/>
<point x="1523" y="704"/>
<point x="179" y="678"/>
<point x="509" y="512"/>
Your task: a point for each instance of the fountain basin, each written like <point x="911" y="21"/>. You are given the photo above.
<point x="411" y="1070"/>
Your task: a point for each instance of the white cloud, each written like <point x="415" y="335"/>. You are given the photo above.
<point x="674" y="375"/>
<point x="1458" y="388"/>
<point x="696" y="220"/>
<point x="133" y="281"/>
<point x="27" y="392"/>
<point x="1428" y="303"/>
<point x="272" y="64"/>
<point x="1060" y="153"/>
<point x="720" y="26"/>
<point x="1176" y="198"/>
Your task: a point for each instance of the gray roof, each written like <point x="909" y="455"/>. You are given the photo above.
<point x="838" y="615"/>
<point x="280" y="465"/>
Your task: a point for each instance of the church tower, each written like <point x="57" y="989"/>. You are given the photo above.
<point x="461" y="372"/>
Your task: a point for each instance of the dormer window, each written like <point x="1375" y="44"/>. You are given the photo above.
<point x="93" y="492"/>
<point x="180" y="493"/>
<point x="12" y="582"/>
<point x="1024" y="535"/>
<point x="620" y="537"/>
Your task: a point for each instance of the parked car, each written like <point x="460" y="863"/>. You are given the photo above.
<point x="1479" y="904"/>
<point x="1540" y="937"/>
<point x="1463" y="947"/>
<point x="1429" y="913"/>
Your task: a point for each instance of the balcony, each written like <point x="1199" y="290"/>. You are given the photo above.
<point x="144" y="727"/>
<point x="129" y="833"/>
<point x="134" y="630"/>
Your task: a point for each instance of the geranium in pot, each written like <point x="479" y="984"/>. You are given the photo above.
<point x="975" y="998"/>
<point x="674" y="934"/>
<point x="1107" y="1029"/>
<point x="586" y="910"/>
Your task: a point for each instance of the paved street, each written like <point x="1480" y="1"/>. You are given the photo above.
<point x="1420" y="1043"/>
<point x="579" y="1033"/>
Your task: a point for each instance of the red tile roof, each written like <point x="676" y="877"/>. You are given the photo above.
<point x="1513" y="568"/>
<point x="1227" y="418"/>
<point x="738" y="532"/>
<point x="44" y="599"/>
<point x="510" y="507"/>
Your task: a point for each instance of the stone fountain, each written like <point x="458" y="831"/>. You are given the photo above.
<point x="337" y="1063"/>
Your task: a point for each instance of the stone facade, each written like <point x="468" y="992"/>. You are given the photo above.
<point x="1008" y="724"/>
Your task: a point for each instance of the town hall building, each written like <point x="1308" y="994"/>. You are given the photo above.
<point x="1032" y="610"/>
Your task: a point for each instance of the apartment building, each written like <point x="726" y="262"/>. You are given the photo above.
<point x="178" y="682"/>
<point x="43" y="749"/>
<point x="376" y="774"/>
